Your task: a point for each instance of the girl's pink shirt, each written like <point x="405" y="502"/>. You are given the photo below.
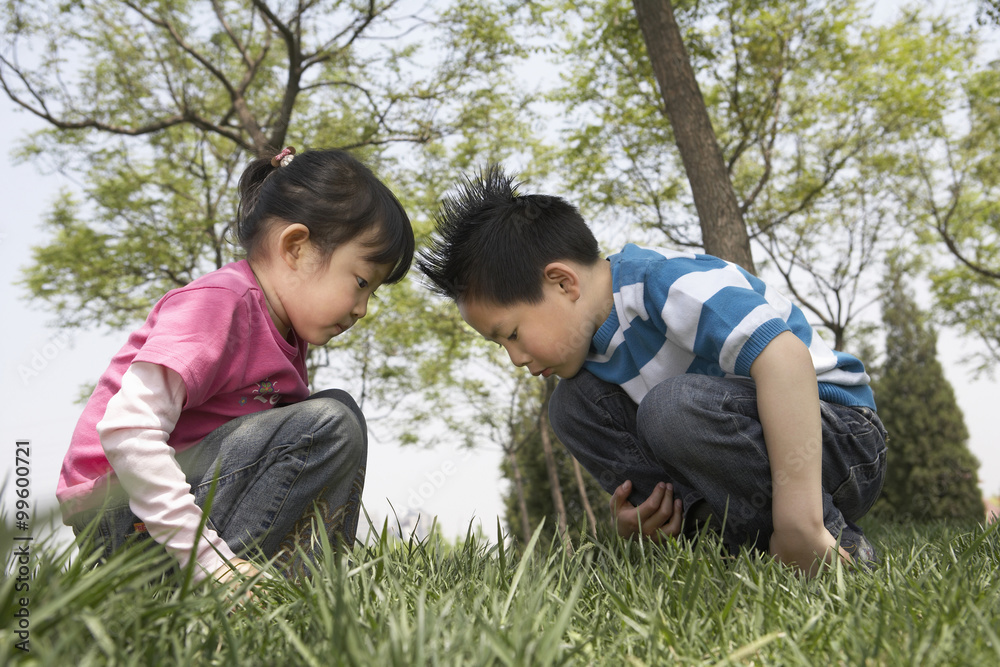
<point x="216" y="334"/>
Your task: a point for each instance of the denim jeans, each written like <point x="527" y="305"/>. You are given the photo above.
<point x="703" y="435"/>
<point x="270" y="470"/>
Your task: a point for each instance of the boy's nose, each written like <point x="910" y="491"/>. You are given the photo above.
<point x="518" y="358"/>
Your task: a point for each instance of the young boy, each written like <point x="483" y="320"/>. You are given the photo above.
<point x="690" y="389"/>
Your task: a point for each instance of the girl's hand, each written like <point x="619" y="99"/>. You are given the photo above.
<point x="658" y="516"/>
<point x="229" y="574"/>
<point x="229" y="570"/>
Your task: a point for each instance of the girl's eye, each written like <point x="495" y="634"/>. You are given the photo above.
<point x="362" y="283"/>
<point x="513" y="335"/>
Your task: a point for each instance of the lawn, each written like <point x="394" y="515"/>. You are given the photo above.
<point x="934" y="600"/>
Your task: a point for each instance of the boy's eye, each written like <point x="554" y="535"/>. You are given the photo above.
<point x="362" y="283"/>
<point x="513" y="335"/>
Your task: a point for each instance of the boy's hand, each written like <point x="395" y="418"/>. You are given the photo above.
<point x="806" y="551"/>
<point x="657" y="516"/>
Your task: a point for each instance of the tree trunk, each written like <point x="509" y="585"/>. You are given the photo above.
<point x="724" y="234"/>
<point x="580" y="484"/>
<point x="522" y="505"/>
<point x="550" y="464"/>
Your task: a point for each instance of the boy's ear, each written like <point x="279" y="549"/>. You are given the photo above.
<point x="565" y="276"/>
<point x="292" y="242"/>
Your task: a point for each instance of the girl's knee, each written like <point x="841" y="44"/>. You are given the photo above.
<point x="344" y="399"/>
<point x="338" y="422"/>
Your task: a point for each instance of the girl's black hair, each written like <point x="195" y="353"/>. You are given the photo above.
<point x="335" y="196"/>
<point x="492" y="243"/>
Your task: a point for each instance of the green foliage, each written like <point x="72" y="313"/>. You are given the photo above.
<point x="970" y="302"/>
<point x="959" y="207"/>
<point x="816" y="110"/>
<point x="538" y="490"/>
<point x="935" y="600"/>
<point x="931" y="472"/>
<point x="988" y="11"/>
<point x="613" y="129"/>
<point x="155" y="109"/>
<point x="144" y="229"/>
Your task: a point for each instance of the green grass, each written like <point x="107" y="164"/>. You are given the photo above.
<point x="934" y="600"/>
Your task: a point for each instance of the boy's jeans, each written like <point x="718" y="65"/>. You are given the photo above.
<point x="273" y="466"/>
<point x="703" y="435"/>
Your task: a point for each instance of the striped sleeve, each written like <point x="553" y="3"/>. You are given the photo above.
<point x="714" y="311"/>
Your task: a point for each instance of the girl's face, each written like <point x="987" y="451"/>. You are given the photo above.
<point x="328" y="297"/>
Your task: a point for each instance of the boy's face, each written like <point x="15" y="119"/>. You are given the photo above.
<point x="552" y="336"/>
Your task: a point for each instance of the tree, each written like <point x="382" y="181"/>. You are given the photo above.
<point x="953" y="201"/>
<point x="931" y="472"/>
<point x="155" y="108"/>
<point x="513" y="432"/>
<point x="988" y="11"/>
<point x="545" y="437"/>
<point x="532" y="462"/>
<point x="723" y="231"/>
<point x="812" y="107"/>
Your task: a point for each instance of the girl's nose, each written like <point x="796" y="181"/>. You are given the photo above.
<point x="360" y="309"/>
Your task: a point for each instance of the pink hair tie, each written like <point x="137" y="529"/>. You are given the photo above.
<point x="283" y="158"/>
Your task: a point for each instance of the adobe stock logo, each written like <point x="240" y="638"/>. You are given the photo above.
<point x="43" y="356"/>
<point x="434" y="481"/>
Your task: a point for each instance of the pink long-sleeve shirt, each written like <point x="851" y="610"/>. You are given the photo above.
<point x="207" y="353"/>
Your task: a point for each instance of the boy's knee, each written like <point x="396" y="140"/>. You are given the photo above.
<point x="579" y="396"/>
<point x="561" y="405"/>
<point x="666" y="405"/>
<point x="678" y="416"/>
<point x="684" y="389"/>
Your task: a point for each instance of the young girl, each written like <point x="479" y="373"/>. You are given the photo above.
<point x="211" y="391"/>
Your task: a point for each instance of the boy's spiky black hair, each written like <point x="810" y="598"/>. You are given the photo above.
<point x="492" y="243"/>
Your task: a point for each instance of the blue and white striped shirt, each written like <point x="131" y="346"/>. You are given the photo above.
<point x="678" y="312"/>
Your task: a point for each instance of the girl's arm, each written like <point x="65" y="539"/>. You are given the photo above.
<point x="134" y="433"/>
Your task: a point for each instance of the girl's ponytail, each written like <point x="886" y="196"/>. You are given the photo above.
<point x="332" y="194"/>
<point x="251" y="183"/>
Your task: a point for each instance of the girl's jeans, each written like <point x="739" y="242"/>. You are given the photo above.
<point x="703" y="435"/>
<point x="269" y="470"/>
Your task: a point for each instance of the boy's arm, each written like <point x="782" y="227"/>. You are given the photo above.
<point x="788" y="404"/>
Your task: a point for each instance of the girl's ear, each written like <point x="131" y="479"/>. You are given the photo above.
<point x="292" y="244"/>
<point x="565" y="277"/>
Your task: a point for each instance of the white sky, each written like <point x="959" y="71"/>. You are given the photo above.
<point x="458" y="487"/>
